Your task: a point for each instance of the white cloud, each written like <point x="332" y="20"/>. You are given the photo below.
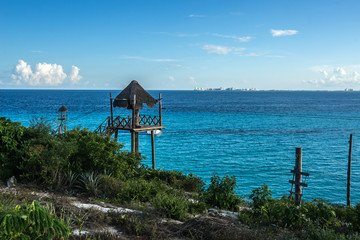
<point x="74" y="75"/>
<point x="46" y="74"/>
<point x="337" y="75"/>
<point x="151" y="59"/>
<point x="241" y="39"/>
<point x="171" y="78"/>
<point x="221" y="50"/>
<point x="281" y="33"/>
<point x="196" y="16"/>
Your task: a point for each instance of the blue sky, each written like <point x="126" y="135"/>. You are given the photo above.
<point x="297" y="45"/>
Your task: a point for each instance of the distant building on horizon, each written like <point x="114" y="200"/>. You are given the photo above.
<point x="225" y="89"/>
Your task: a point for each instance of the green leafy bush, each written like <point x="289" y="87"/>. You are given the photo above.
<point x="221" y="193"/>
<point x="196" y="207"/>
<point x="138" y="190"/>
<point x="175" y="179"/>
<point x="261" y="196"/>
<point x="37" y="154"/>
<point x="46" y="158"/>
<point x="110" y="186"/>
<point x="12" y="147"/>
<point x="320" y="212"/>
<point x="95" y="153"/>
<point x="350" y="215"/>
<point x="31" y="221"/>
<point x="285" y="213"/>
<point x="172" y="205"/>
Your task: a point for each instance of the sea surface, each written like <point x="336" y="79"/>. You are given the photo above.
<point x="252" y="135"/>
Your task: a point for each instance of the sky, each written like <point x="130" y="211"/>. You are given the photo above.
<point x="180" y="45"/>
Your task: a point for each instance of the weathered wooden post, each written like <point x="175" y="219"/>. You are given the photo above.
<point x="111" y="111"/>
<point x="133" y="126"/>
<point x="137" y="119"/>
<point x="153" y="149"/>
<point x="116" y="135"/>
<point x="348" y="195"/>
<point x="298" y="177"/>
<point x="160" y="108"/>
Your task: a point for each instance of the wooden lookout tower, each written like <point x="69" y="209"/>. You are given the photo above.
<point x="62" y="117"/>
<point x="133" y="97"/>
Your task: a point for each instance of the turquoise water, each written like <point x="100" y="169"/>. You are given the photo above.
<point x="252" y="135"/>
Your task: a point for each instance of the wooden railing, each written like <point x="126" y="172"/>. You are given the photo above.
<point x="122" y="122"/>
<point x="104" y="127"/>
<point x="150" y="120"/>
<point x="107" y="129"/>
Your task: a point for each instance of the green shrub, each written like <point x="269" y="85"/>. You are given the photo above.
<point x="95" y="153"/>
<point x="12" y="147"/>
<point x="31" y="221"/>
<point x="197" y="207"/>
<point x="175" y="179"/>
<point x="283" y="212"/>
<point x="37" y="154"/>
<point x="318" y="211"/>
<point x="172" y="205"/>
<point x="138" y="190"/>
<point x="46" y="159"/>
<point x="314" y="232"/>
<point x="261" y="196"/>
<point x="221" y="193"/>
<point x="350" y="215"/>
<point x="110" y="186"/>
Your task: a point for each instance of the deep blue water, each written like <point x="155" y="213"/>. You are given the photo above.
<point x="252" y="135"/>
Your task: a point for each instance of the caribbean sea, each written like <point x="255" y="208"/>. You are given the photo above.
<point x="252" y="135"/>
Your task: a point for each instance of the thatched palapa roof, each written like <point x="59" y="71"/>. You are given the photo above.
<point x="126" y="97"/>
<point x="63" y="109"/>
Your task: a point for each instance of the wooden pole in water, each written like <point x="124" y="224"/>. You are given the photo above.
<point x="160" y="108"/>
<point x="153" y="149"/>
<point x="137" y="133"/>
<point x="133" y="126"/>
<point x="298" y="177"/>
<point x="111" y="111"/>
<point x="348" y="196"/>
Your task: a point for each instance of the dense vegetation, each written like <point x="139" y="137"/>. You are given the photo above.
<point x="82" y="163"/>
<point x="30" y="221"/>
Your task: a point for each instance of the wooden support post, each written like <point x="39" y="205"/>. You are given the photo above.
<point x="137" y="119"/>
<point x="134" y="113"/>
<point x="160" y="108"/>
<point x="137" y="142"/>
<point x="132" y="141"/>
<point x="348" y="198"/>
<point x="116" y="135"/>
<point x="153" y="149"/>
<point x="111" y="111"/>
<point x="298" y="177"/>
